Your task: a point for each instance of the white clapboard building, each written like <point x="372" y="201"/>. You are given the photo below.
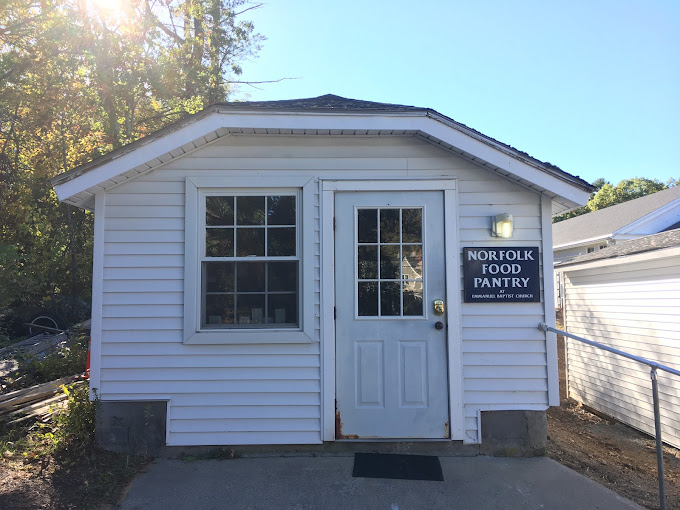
<point x="626" y="296"/>
<point x="292" y="272"/>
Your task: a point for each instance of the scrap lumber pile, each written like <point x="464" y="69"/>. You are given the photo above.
<point x="38" y="345"/>
<point x="36" y="402"/>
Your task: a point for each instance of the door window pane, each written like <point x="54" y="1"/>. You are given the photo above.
<point x="389" y="225"/>
<point x="411" y="224"/>
<point x="368" y="225"/>
<point x="389" y="261"/>
<point x="368" y="298"/>
<point x="367" y="261"/>
<point x="390" y="298"/>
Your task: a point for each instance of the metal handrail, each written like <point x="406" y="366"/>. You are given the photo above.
<point x="655" y="366"/>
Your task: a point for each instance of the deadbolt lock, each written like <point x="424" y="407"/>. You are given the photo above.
<point x="438" y="307"/>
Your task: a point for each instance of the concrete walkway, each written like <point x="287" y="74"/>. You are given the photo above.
<point x="326" y="482"/>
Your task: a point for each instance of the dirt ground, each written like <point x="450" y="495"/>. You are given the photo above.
<point x="610" y="453"/>
<point x="97" y="482"/>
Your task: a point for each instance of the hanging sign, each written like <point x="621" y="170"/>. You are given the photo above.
<point x="501" y="274"/>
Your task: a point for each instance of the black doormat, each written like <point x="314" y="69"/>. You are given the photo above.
<point x="403" y="467"/>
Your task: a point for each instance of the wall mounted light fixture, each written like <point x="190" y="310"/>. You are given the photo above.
<point x="501" y="225"/>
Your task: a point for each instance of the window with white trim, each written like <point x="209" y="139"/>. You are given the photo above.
<point x="250" y="260"/>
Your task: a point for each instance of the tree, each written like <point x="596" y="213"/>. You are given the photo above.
<point x="78" y="79"/>
<point x="608" y="195"/>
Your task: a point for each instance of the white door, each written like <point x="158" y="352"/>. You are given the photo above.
<point x="391" y="373"/>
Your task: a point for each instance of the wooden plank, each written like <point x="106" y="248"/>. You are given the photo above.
<point x="19" y="396"/>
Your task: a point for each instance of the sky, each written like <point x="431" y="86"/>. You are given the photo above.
<point x="590" y="86"/>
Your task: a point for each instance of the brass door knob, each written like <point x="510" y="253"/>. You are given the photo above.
<point x="438" y="306"/>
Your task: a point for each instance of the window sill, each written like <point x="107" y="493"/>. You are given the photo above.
<point x="280" y="336"/>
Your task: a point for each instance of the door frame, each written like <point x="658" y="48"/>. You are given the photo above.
<point x="449" y="188"/>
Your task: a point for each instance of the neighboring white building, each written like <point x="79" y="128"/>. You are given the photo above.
<point x="629" y="220"/>
<point x="258" y="262"/>
<point x="628" y="297"/>
<point x="597" y="230"/>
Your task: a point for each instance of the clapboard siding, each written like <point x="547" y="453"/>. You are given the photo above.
<point x="631" y="306"/>
<point x="271" y="393"/>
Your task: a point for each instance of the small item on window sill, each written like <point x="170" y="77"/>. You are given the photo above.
<point x="244" y="319"/>
<point x="214" y="319"/>
<point x="280" y="315"/>
<point x="257" y="315"/>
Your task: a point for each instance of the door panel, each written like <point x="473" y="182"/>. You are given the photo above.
<point x="391" y="360"/>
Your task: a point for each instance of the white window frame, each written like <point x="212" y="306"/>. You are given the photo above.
<point x="196" y="190"/>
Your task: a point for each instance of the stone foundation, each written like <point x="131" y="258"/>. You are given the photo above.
<point x="514" y="433"/>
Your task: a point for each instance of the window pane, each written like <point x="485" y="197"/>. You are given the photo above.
<point x="368" y="225"/>
<point x="219" y="276"/>
<point x="280" y="242"/>
<point x="412" y="262"/>
<point x="389" y="225"/>
<point x="413" y="298"/>
<point x="281" y="210"/>
<point x="390" y="298"/>
<point x="283" y="309"/>
<point x="250" y="210"/>
<point x="368" y="298"/>
<point x="250" y="308"/>
<point x="389" y="263"/>
<point x="219" y="242"/>
<point x="219" y="309"/>
<point x="368" y="262"/>
<point x="411" y="224"/>
<point x="282" y="276"/>
<point x="250" y="277"/>
<point x="219" y="210"/>
<point x="249" y="241"/>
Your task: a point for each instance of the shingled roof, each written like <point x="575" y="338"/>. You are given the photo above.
<point x="604" y="222"/>
<point x="327" y="103"/>
<point x="668" y="239"/>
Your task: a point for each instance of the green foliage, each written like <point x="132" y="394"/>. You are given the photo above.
<point x="78" y="79"/>
<point x="608" y="195"/>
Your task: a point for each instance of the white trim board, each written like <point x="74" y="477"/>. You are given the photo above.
<point x="192" y="333"/>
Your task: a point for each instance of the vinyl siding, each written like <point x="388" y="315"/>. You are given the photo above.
<point x="632" y="307"/>
<point x="271" y="393"/>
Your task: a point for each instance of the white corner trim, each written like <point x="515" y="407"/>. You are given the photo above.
<point x="549" y="301"/>
<point x="327" y="315"/>
<point x="192" y="333"/>
<point x="97" y="296"/>
<point x="454" y="315"/>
